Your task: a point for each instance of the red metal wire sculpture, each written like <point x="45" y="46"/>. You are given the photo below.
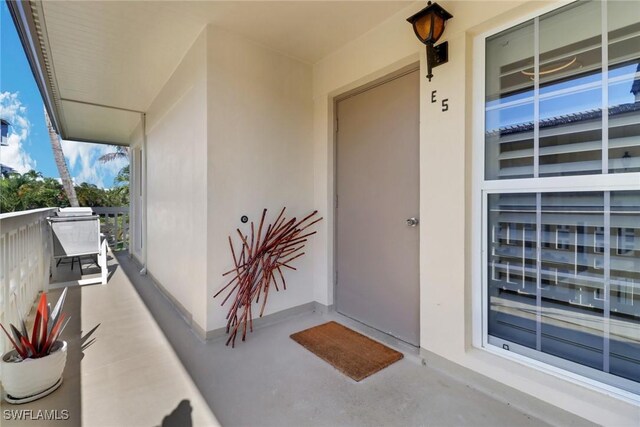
<point x="256" y="265"/>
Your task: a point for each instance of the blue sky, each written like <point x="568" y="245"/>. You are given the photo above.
<point x="21" y="104"/>
<point x="586" y="100"/>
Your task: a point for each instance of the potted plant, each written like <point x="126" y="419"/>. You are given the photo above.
<point x="33" y="369"/>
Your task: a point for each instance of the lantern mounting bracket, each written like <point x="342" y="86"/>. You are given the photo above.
<point x="437" y="55"/>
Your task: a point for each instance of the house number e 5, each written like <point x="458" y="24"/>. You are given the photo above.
<point x="444" y="102"/>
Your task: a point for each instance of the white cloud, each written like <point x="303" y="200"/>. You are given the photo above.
<point x="82" y="157"/>
<point x="84" y="165"/>
<point x="14" y="155"/>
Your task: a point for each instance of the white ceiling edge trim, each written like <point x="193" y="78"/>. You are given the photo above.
<point x="97" y="141"/>
<point x="41" y="32"/>
<point x="22" y="14"/>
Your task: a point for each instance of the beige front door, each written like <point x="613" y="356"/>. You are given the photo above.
<point x="377" y="240"/>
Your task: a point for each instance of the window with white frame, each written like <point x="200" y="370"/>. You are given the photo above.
<point x="561" y="190"/>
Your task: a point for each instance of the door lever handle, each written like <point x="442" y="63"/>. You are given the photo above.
<point x="412" y="222"/>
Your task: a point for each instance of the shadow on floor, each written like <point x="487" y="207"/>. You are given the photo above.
<point x="68" y="269"/>
<point x="179" y="417"/>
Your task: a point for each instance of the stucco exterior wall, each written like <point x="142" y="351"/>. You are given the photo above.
<point x="259" y="156"/>
<point x="228" y="135"/>
<point x="176" y="183"/>
<point x="448" y="285"/>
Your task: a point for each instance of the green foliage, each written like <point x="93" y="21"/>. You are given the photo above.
<point x="120" y="152"/>
<point x="19" y="192"/>
<point x="120" y="192"/>
<point x="90" y="195"/>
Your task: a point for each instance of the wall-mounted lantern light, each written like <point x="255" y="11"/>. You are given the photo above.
<point x="4" y="132"/>
<point x="428" y="24"/>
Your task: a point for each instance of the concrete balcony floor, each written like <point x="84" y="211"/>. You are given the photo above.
<point x="121" y="370"/>
<point x="133" y="361"/>
<point x="270" y="380"/>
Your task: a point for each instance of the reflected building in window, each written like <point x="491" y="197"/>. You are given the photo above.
<point x="563" y="273"/>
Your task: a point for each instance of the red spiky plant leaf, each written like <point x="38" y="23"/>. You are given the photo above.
<point x="42" y="306"/>
<point x="55" y="331"/>
<point x="31" y="351"/>
<point x="21" y="351"/>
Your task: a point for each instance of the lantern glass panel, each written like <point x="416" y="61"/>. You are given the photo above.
<point x="423" y="27"/>
<point x="438" y="28"/>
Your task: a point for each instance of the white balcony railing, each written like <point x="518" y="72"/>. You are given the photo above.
<point x="25" y="257"/>
<point x="114" y="224"/>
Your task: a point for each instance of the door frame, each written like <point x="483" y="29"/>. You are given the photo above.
<point x="397" y="71"/>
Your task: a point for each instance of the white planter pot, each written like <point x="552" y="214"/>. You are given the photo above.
<point x="31" y="379"/>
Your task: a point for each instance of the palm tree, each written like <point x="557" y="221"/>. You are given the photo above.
<point x="121" y="181"/>
<point x="58" y="155"/>
<point x="121" y="152"/>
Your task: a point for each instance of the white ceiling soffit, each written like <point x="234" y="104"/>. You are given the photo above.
<point x="105" y="61"/>
<point x="88" y="123"/>
<point x="115" y="54"/>
<point x="305" y="30"/>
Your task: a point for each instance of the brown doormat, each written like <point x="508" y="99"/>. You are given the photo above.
<point x="346" y="350"/>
